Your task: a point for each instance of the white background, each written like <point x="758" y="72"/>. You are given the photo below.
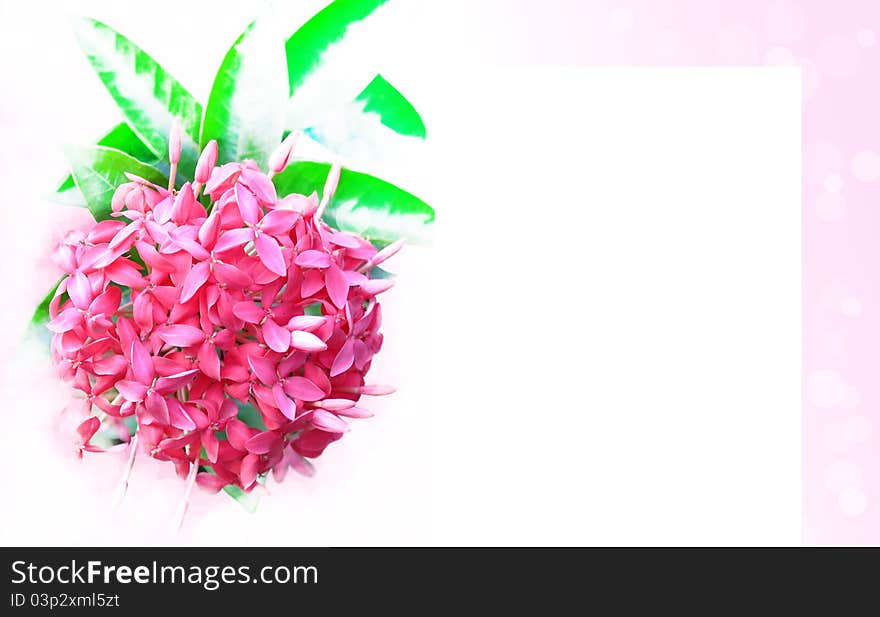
<point x="601" y="347"/>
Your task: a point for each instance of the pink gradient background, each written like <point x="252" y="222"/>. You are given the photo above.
<point x="837" y="46"/>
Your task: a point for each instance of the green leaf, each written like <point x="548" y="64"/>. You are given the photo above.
<point x="131" y="424"/>
<point x="123" y="138"/>
<point x="99" y="170"/>
<point x="245" y="111"/>
<point x="248" y="501"/>
<point x="66" y="185"/>
<point x="149" y="98"/>
<point x="37" y="326"/>
<point x="363" y="204"/>
<point x="41" y="314"/>
<point x="120" y="137"/>
<point x="324" y="69"/>
<point x="394" y="111"/>
<point x="105" y="438"/>
<point x="249" y="414"/>
<point x="313" y="310"/>
<point x="378" y="273"/>
<point x="306" y="46"/>
<point x="378" y="124"/>
<point x="68" y="197"/>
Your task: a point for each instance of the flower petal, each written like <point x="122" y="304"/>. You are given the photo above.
<point x="354" y="278"/>
<point x="209" y="361"/>
<point x="233" y="238"/>
<point x="176" y="443"/>
<point x="347" y="240"/>
<point x="248" y="206"/>
<point x="263" y="368"/>
<point x="270" y="254"/>
<point x="222" y="175"/>
<point x="176" y="381"/>
<point x="157" y="232"/>
<point x="276" y="337"/>
<point x="303" y="389"/>
<point x="306" y="341"/>
<point x="318" y="376"/>
<point x="287" y="406"/>
<point x="125" y="273"/>
<point x="263" y="442"/>
<point x="211" y="445"/>
<point x="195" y="278"/>
<point x="337" y="285"/>
<point x="312" y="283"/>
<point x="305" y="322"/>
<point x="209" y="481"/>
<point x="249" y="311"/>
<point x="142" y="311"/>
<point x="260" y="185"/>
<point x="228" y="409"/>
<point x="87" y="429"/>
<point x="66" y="320"/>
<point x="107" y="303"/>
<point x="125" y="236"/>
<point x="278" y="222"/>
<point x="231" y="275"/>
<point x="312" y="258"/>
<point x="80" y="290"/>
<point x="111" y="365"/>
<point x="157" y="408"/>
<point x="329" y="422"/>
<point x="237" y="433"/>
<point x="141" y="362"/>
<point x="248" y="471"/>
<point x="178" y="416"/>
<point x="180" y="335"/>
<point x="301" y="465"/>
<point x="362" y="354"/>
<point x="190" y="246"/>
<point x="344" y="359"/>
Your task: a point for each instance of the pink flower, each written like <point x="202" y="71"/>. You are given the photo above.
<point x="182" y="313"/>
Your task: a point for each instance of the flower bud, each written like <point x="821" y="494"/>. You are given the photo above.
<point x="374" y="287"/>
<point x="334" y="404"/>
<point x="207" y="161"/>
<point x="281" y="156"/>
<point x="376" y="390"/>
<point x="117" y="202"/>
<point x="183" y="203"/>
<point x="388" y="252"/>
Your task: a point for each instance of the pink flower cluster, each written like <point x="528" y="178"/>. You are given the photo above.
<point x="178" y="310"/>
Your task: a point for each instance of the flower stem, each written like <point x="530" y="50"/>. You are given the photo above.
<point x="184" y="504"/>
<point x="122" y="487"/>
<point x="172" y="176"/>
